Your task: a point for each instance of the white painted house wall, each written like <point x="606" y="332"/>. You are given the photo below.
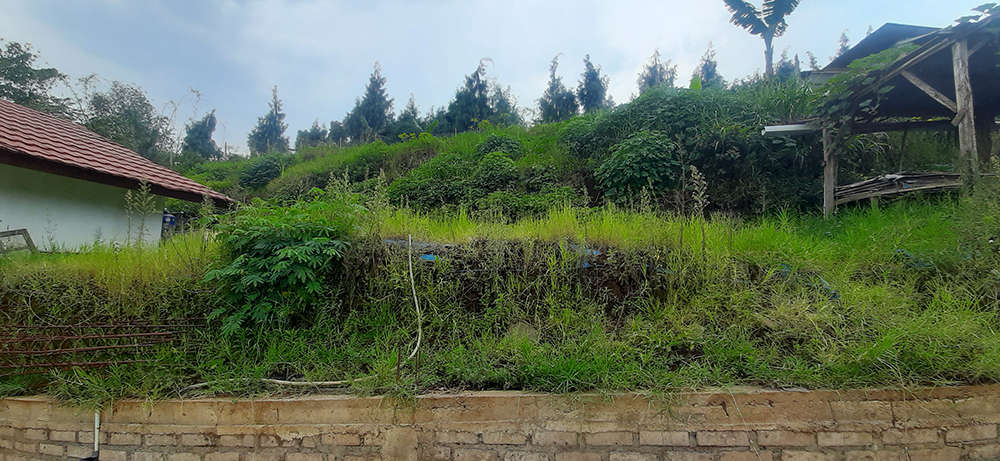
<point x="66" y="212"/>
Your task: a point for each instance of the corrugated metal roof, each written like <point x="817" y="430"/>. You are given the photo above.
<point x="882" y="39"/>
<point x="46" y="138"/>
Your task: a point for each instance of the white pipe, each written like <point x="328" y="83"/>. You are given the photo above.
<point x="97" y="432"/>
<point x="788" y="130"/>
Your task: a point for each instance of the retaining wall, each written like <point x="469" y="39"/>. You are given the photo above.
<point x="747" y="425"/>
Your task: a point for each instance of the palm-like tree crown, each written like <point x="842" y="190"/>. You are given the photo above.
<point x="767" y="22"/>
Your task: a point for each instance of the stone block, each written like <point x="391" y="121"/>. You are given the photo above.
<point x="49" y="449"/>
<point x="723" y="438"/>
<point x="300" y="457"/>
<point x="866" y="411"/>
<point x="79" y="451"/>
<point x="617" y="439"/>
<point x="196" y="440"/>
<point x="26" y="447"/>
<point x="936" y="454"/>
<point x="400" y="444"/>
<point x="578" y="456"/>
<point x="87" y="437"/>
<point x="880" y="455"/>
<point x="161" y="440"/>
<point x="309" y="442"/>
<point x="971" y="433"/>
<point x="345" y="440"/>
<point x="982" y="452"/>
<point x="785" y="438"/>
<point x="664" y="438"/>
<point x="843" y="439"/>
<point x="455" y="437"/>
<point x="554" y="438"/>
<point x="909" y="436"/>
<point x="269" y="441"/>
<point x="230" y="456"/>
<point x="464" y="454"/>
<point x="62" y="436"/>
<point x="437" y="453"/>
<point x="793" y="455"/>
<point x="35" y="434"/>
<point x="127" y="438"/>
<point x="8" y="444"/>
<point x="245" y="440"/>
<point x="114" y="455"/>
<point x="503" y="438"/>
<point x="525" y="456"/>
<point x="631" y="456"/>
<point x="747" y="456"/>
<point x="146" y="456"/>
<point x="183" y="457"/>
<point x="256" y="456"/>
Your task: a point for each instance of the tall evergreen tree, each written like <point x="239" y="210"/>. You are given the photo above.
<point x="787" y="69"/>
<point x="843" y="44"/>
<point x="504" y="107"/>
<point x="656" y="73"/>
<point x="557" y="103"/>
<point x="372" y="112"/>
<point x="768" y="22"/>
<point x="23" y="84"/>
<point x="707" y="71"/>
<point x="269" y="134"/>
<point x="337" y="133"/>
<point x="314" y="136"/>
<point x="408" y="121"/>
<point x="592" y="92"/>
<point x="198" y="137"/>
<point x="472" y="101"/>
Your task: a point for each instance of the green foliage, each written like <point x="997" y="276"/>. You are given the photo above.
<point x="277" y="260"/>
<point x="198" y="138"/>
<point x="496" y="143"/>
<point x="768" y="22"/>
<point x="647" y="159"/>
<point x="656" y="73"/>
<point x="707" y="72"/>
<point x="478" y="100"/>
<point x="557" y="103"/>
<point x="260" y="172"/>
<point x="312" y="137"/>
<point x="123" y="114"/>
<point x="22" y="83"/>
<point x="496" y="171"/>
<point x="372" y="113"/>
<point x="269" y="134"/>
<point x="592" y="92"/>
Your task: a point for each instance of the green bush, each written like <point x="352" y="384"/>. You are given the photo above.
<point x="646" y="159"/>
<point x="495" y="172"/>
<point x="277" y="258"/>
<point x="260" y="172"/>
<point x="496" y="143"/>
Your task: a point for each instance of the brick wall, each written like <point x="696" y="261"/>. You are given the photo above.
<point x="934" y="425"/>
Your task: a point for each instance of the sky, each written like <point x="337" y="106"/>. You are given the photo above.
<point x="320" y="53"/>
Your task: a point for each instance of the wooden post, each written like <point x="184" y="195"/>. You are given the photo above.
<point x="966" y="118"/>
<point x="829" y="175"/>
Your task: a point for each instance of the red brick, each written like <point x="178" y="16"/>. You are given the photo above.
<point x="747" y="456"/>
<point x="503" y="438"/>
<point x="620" y="439"/>
<point x="577" y="456"/>
<point x="909" y="436"/>
<point x="341" y="439"/>
<point x="664" y="438"/>
<point x="843" y="439"/>
<point x="554" y="438"/>
<point x="970" y="433"/>
<point x="785" y="439"/>
<point x="462" y="454"/>
<point x="525" y="456"/>
<point x="936" y="454"/>
<point x="723" y="439"/>
<point x="456" y="437"/>
<point x="236" y="440"/>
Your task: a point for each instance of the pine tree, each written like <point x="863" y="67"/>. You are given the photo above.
<point x="312" y="137"/>
<point x="408" y="122"/>
<point x="198" y="137"/>
<point x="787" y="69"/>
<point x="592" y="93"/>
<point x="843" y="44"/>
<point x="557" y="102"/>
<point x="372" y="113"/>
<point x="269" y="134"/>
<point x="656" y="73"/>
<point x="472" y="101"/>
<point x="337" y="134"/>
<point x="708" y="70"/>
<point x="504" y="107"/>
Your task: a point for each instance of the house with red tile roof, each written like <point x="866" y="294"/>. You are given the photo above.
<point x="67" y="185"/>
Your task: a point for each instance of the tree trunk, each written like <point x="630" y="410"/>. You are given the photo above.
<point x="768" y="56"/>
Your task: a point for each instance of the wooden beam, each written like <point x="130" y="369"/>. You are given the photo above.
<point x="882" y="127"/>
<point x="966" y="108"/>
<point x="937" y="95"/>
<point x="829" y="175"/>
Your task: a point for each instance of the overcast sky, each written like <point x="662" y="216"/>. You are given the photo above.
<point x="320" y="53"/>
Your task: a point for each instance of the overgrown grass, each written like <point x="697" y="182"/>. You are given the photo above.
<point x="602" y="299"/>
